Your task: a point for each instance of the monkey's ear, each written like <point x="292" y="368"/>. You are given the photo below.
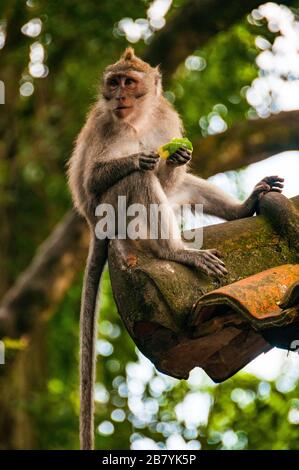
<point x="158" y="80"/>
<point x="129" y="54"/>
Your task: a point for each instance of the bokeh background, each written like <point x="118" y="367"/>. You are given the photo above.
<point x="232" y="71"/>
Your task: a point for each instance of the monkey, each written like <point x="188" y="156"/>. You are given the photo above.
<point x="115" y="154"/>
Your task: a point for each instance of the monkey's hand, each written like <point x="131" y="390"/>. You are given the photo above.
<point x="147" y="161"/>
<point x="180" y="157"/>
<point x="210" y="263"/>
<point x="267" y="184"/>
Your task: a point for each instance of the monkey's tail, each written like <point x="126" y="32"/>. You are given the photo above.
<point x="96" y="261"/>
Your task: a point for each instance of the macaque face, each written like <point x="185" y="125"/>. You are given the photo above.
<point x="125" y="92"/>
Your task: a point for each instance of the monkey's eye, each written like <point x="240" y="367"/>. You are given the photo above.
<point x="130" y="82"/>
<point x="113" y="83"/>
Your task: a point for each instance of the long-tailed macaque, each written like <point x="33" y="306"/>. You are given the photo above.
<point x="116" y="154"/>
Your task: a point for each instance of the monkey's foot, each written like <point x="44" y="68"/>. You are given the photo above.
<point x="209" y="262"/>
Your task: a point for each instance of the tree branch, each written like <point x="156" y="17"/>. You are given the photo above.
<point x="245" y="143"/>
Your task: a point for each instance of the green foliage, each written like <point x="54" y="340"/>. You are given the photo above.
<point x="227" y="66"/>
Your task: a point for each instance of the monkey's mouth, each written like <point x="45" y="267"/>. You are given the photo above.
<point x="122" y="107"/>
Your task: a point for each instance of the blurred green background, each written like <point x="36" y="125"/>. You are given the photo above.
<point x="51" y="58"/>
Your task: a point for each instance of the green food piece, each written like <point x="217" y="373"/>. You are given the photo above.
<point x="171" y="147"/>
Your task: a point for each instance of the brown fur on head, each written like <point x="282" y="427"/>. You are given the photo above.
<point x="129" y="61"/>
